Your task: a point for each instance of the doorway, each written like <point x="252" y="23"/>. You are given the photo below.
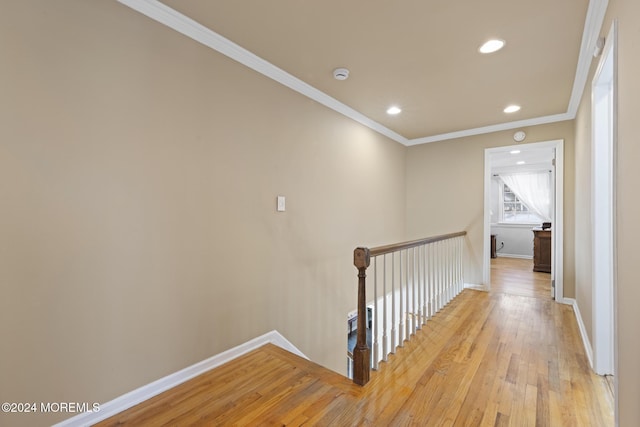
<point x="493" y="157"/>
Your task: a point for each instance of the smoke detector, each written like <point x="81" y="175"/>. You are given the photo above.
<point x="340" y="74"/>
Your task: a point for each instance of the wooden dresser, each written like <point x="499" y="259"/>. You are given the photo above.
<point x="542" y="250"/>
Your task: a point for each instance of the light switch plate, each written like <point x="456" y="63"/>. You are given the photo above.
<point x="281" y="204"/>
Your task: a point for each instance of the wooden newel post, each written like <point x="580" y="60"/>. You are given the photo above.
<point x="361" y="353"/>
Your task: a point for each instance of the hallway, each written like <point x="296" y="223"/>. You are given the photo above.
<point x="490" y="359"/>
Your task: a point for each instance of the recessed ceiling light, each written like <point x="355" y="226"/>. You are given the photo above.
<point x="512" y="109"/>
<point x="514" y="152"/>
<point x="393" y="110"/>
<point x="521" y="162"/>
<point x="491" y="46"/>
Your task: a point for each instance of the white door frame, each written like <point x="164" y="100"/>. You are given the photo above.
<point x="557" y="270"/>
<point x="603" y="151"/>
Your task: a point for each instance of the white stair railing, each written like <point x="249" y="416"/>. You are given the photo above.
<point x="411" y="282"/>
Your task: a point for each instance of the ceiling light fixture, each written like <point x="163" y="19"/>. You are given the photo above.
<point x="521" y="162"/>
<point x="491" y="46"/>
<point x="393" y="110"/>
<point x="514" y="152"/>
<point x="512" y="109"/>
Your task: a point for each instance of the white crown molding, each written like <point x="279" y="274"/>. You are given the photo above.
<point x="592" y="27"/>
<point x="198" y="32"/>
<point x="150" y="390"/>
<point x="490" y="129"/>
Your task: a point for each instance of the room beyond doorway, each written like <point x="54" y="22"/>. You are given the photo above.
<point x="493" y="157"/>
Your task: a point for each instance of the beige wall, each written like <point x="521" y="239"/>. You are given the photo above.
<point x="583" y="228"/>
<point x="138" y="232"/>
<point x="445" y="191"/>
<point x="627" y="177"/>
<point x="628" y="209"/>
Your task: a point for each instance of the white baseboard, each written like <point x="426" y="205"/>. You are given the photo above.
<point x="583" y="331"/>
<point x="146" y="392"/>
<point x="483" y="288"/>
<point x="514" y="256"/>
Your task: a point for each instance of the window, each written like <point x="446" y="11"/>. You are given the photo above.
<point x="514" y="211"/>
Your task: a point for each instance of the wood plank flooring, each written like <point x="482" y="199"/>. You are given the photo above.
<point x="487" y="359"/>
<point x="516" y="276"/>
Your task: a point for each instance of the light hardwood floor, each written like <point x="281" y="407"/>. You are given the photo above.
<point x="516" y="276"/>
<point x="487" y="359"/>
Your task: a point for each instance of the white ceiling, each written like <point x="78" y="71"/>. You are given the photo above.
<point x="420" y="55"/>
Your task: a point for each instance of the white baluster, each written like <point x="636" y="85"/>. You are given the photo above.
<point x="445" y="269"/>
<point x="461" y="267"/>
<point x="443" y="273"/>
<point x="385" y="344"/>
<point x="422" y="301"/>
<point x="456" y="270"/>
<point x="394" y="343"/>
<point x="440" y="275"/>
<point x="423" y="283"/>
<point x="376" y="315"/>
<point x="449" y="271"/>
<point x="416" y="290"/>
<point x="410" y="286"/>
<point x="445" y="287"/>
<point x="434" y="268"/>
<point x="427" y="282"/>
<point x="400" y="303"/>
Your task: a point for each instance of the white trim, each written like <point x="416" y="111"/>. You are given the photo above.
<point x="603" y="212"/>
<point x="592" y="27"/>
<point x="198" y="32"/>
<point x="501" y="255"/>
<point x="148" y="391"/>
<point x="557" y="268"/>
<point x="515" y="225"/>
<point x="476" y="287"/>
<point x="583" y="331"/>
<point x="486" y="212"/>
<point x="490" y="129"/>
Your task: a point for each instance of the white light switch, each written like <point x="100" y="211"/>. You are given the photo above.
<point x="281" y="204"/>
